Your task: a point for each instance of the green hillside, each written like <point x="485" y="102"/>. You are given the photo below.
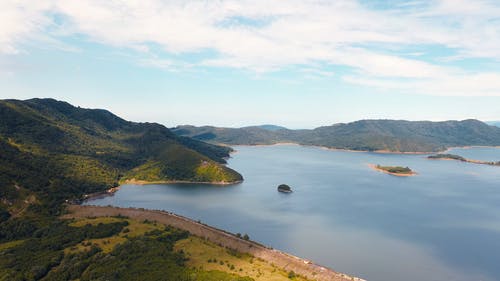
<point x="369" y="135"/>
<point x="51" y="151"/>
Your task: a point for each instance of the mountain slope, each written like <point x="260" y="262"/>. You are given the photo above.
<point x="370" y="135"/>
<point x="270" y="127"/>
<point x="51" y="151"/>
<point x="230" y="136"/>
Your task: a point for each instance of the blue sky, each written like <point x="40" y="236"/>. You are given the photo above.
<point x="300" y="64"/>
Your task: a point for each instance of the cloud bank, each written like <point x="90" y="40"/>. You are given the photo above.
<point x="420" y="47"/>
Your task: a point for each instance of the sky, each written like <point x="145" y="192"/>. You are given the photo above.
<point x="299" y="64"/>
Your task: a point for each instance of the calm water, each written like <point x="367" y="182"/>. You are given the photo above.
<point x="478" y="153"/>
<point x="443" y="224"/>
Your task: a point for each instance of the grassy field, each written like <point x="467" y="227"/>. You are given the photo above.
<point x="134" y="229"/>
<point x="7" y="245"/>
<point x="202" y="255"/>
<point x="208" y="256"/>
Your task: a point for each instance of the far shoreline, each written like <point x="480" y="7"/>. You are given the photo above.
<point x="357" y="151"/>
<point x="469" y="147"/>
<point x="111" y="191"/>
<point x="143" y="182"/>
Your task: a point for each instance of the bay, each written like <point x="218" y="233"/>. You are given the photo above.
<point x="442" y="224"/>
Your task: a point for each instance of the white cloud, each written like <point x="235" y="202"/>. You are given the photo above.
<point x="483" y="84"/>
<point x="19" y="21"/>
<point x="267" y="35"/>
<point x="169" y="65"/>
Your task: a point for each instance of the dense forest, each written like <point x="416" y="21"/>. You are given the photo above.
<point x="366" y="135"/>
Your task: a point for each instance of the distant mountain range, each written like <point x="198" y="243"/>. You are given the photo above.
<point x="51" y="150"/>
<point x="271" y="127"/>
<point x="363" y="135"/>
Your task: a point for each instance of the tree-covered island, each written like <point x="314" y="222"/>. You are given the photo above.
<point x="394" y="170"/>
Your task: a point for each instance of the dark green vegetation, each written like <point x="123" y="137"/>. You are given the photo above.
<point x="46" y="255"/>
<point x="367" y="135"/>
<point x="284" y="188"/>
<point x="51" y="151"/>
<point x="447" y="156"/>
<point x="41" y="250"/>
<point x="395" y="169"/>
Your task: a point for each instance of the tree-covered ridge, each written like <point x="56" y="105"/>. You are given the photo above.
<point x="51" y="151"/>
<point x="367" y="135"/>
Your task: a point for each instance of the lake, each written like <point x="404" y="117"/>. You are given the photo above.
<point x="442" y="224"/>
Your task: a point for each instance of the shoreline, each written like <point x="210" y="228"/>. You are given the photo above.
<point x="101" y="194"/>
<point x="143" y="182"/>
<point x="359" y="151"/>
<point x="113" y="190"/>
<point x="472" y="146"/>
<point x="374" y="167"/>
<point x="224" y="238"/>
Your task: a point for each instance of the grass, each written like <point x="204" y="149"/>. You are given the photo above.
<point x="134" y="229"/>
<point x="208" y="256"/>
<point x="203" y="256"/>
<point x="7" y="245"/>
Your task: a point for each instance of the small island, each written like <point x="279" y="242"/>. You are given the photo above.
<point x="284" y="188"/>
<point x="462" y="159"/>
<point x="394" y="170"/>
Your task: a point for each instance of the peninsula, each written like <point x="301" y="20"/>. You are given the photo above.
<point x="462" y="159"/>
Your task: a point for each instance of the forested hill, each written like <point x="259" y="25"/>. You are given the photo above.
<point x="370" y="135"/>
<point x="51" y="151"/>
